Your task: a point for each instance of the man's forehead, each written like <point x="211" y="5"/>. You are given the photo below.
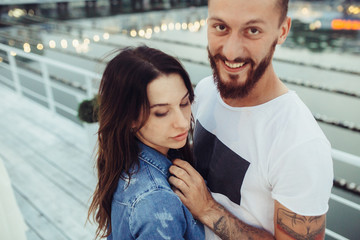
<point x="247" y="11"/>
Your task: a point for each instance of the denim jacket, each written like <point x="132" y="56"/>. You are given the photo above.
<point x="147" y="208"/>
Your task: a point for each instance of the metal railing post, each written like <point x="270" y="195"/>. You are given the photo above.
<point x="14" y="73"/>
<point x="89" y="92"/>
<point x="48" y="89"/>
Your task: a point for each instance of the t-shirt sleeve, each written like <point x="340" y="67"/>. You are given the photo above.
<point x="158" y="215"/>
<point x="302" y="177"/>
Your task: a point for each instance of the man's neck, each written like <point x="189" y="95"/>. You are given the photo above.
<point x="267" y="88"/>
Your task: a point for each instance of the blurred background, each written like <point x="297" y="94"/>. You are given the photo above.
<point x="52" y="54"/>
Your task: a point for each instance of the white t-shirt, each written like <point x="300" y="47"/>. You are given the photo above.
<point x="251" y="156"/>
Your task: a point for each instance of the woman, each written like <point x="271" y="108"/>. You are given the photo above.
<point x="145" y="101"/>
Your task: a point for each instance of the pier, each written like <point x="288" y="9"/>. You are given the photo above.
<point x="47" y="67"/>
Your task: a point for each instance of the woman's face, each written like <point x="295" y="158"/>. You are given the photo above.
<point x="170" y="112"/>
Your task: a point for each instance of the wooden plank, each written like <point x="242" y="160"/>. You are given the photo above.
<point x="60" y="177"/>
<point x="48" y="161"/>
<point x="40" y="227"/>
<point x="31" y="235"/>
<point x="63" y="210"/>
<point x="54" y="150"/>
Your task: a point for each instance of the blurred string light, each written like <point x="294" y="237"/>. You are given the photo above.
<point x="64" y="43"/>
<point x="16" y="13"/>
<point x="1" y="59"/>
<point x="52" y="44"/>
<point x="305" y="11"/>
<point x="164" y="27"/>
<point x="11" y="42"/>
<point x="148" y="32"/>
<point x="39" y="46"/>
<point x="75" y="43"/>
<point x="83" y="47"/>
<point x="353" y="10"/>
<point x="133" y="33"/>
<point x="96" y="38"/>
<point x="106" y="36"/>
<point x="12" y="53"/>
<point x="177" y="26"/>
<point x="340" y="8"/>
<point x="27" y="47"/>
<point x="31" y="13"/>
<point x="141" y="33"/>
<point x="315" y="25"/>
<point x="184" y="26"/>
<point x="156" y="29"/>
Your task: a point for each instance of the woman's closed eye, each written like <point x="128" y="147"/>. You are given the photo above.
<point x="161" y="114"/>
<point x="185" y="104"/>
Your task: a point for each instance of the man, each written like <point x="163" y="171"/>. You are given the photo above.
<point x="264" y="158"/>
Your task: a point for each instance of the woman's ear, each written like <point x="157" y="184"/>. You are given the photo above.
<point x="284" y="30"/>
<point x="134" y="126"/>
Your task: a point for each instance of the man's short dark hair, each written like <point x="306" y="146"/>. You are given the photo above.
<point x="283" y="6"/>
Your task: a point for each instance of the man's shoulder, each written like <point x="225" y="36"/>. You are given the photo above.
<point x="205" y="83"/>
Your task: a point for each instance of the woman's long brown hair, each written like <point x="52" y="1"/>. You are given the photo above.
<point x="122" y="99"/>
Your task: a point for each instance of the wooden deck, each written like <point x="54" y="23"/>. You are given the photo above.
<point x="50" y="164"/>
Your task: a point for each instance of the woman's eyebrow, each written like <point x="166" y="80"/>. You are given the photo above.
<point x="166" y="104"/>
<point x="187" y="94"/>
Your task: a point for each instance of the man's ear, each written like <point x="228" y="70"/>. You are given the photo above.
<point x="284" y="30"/>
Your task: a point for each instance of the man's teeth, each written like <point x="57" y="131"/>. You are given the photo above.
<point x="234" y="65"/>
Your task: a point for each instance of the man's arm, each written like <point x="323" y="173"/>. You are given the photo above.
<point x="289" y="225"/>
<point x="191" y="188"/>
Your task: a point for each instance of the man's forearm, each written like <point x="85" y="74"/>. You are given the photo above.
<point x="227" y="226"/>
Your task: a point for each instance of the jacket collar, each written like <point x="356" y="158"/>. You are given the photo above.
<point x="154" y="158"/>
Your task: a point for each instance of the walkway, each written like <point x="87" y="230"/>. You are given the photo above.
<point x="49" y="162"/>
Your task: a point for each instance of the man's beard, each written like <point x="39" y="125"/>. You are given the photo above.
<point x="232" y="89"/>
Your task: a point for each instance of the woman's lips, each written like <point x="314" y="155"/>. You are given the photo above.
<point x="181" y="136"/>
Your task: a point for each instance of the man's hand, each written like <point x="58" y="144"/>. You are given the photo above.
<point x="191" y="188"/>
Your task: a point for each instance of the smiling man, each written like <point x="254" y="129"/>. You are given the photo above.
<point x="260" y="151"/>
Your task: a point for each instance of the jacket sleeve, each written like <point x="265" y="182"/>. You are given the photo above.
<point x="158" y="214"/>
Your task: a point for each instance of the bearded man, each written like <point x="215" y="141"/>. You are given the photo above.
<point x="258" y="148"/>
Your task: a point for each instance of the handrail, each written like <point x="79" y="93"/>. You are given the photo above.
<point x="46" y="80"/>
<point x="49" y="61"/>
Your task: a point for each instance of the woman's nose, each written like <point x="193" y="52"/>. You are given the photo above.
<point x="181" y="119"/>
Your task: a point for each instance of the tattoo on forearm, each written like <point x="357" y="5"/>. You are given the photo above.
<point x="301" y="227"/>
<point x="228" y="227"/>
<point x="220" y="228"/>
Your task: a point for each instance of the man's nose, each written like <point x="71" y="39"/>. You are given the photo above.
<point x="233" y="47"/>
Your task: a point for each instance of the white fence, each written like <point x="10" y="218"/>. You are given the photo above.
<point x="88" y="83"/>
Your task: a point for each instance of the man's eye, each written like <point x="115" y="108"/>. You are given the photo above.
<point x="220" y="28"/>
<point x="253" y="31"/>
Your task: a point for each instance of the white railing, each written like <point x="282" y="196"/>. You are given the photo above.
<point x="89" y="78"/>
<point x="14" y="2"/>
<point x="90" y="90"/>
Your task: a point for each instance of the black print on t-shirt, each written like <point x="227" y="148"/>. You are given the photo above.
<point x="223" y="169"/>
